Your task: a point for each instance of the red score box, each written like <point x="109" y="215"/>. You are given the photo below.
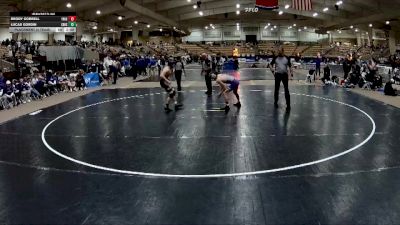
<point x="71" y="18"/>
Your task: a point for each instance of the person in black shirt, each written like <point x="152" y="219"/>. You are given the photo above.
<point x="206" y="71"/>
<point x="327" y="74"/>
<point x="347" y="66"/>
<point x="282" y="69"/>
<point x="389" y="90"/>
<point x="80" y="80"/>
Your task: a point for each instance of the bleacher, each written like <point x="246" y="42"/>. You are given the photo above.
<point x="194" y="49"/>
<point x="289" y="49"/>
<point x="365" y="53"/>
<point x="267" y="47"/>
<point x="3" y="52"/>
<point x="170" y="48"/>
<point x="313" y="50"/>
<point x="301" y="48"/>
<point x="341" y="50"/>
<point x="223" y="50"/>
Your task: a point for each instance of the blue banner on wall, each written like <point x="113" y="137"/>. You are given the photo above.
<point x="92" y="79"/>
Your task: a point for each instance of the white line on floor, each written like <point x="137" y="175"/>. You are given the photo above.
<point x="35" y="113"/>
<point x="239" y="174"/>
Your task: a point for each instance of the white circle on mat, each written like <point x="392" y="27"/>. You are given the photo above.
<point x="129" y="172"/>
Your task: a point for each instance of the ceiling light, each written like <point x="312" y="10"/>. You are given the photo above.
<point x="189" y="0"/>
<point x="194" y="6"/>
<point x="237" y="28"/>
<point x="351" y="27"/>
<point x="206" y="27"/>
<point x="280" y="12"/>
<point x="305" y="28"/>
<point x="237" y="6"/>
<point x="211" y="24"/>
<point x="294" y="25"/>
<point x="328" y="32"/>
<point x="136" y="22"/>
<point x="95" y="28"/>
<point x="237" y="12"/>
<point x="325" y="9"/>
<point x="174" y="28"/>
<point x="356" y="30"/>
<point x="287" y="6"/>
<point x="387" y="22"/>
<point x="315" y="14"/>
<point x="119" y="17"/>
<point x="370" y="25"/>
<point x="339" y="2"/>
<point x="160" y="29"/>
<point x="69" y="5"/>
<point x="366" y="32"/>
<point x="269" y="24"/>
<point x="275" y="26"/>
<point x="201" y="13"/>
<point x="98" y="12"/>
<point x="111" y="30"/>
<point x="299" y="30"/>
<point x="237" y="24"/>
<point x="272" y="28"/>
<point x="340" y="31"/>
<point x="148" y="25"/>
<point x="290" y="27"/>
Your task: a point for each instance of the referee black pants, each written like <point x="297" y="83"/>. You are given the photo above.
<point x="178" y="77"/>
<point x="208" y="80"/>
<point x="284" y="78"/>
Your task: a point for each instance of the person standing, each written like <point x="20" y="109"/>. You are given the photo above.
<point x="282" y="69"/>
<point x="347" y="65"/>
<point x="165" y="82"/>
<point x="115" y="68"/>
<point x="318" y="66"/>
<point x="179" y="69"/>
<point x="206" y="71"/>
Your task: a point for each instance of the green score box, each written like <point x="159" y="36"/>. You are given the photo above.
<point x="72" y="24"/>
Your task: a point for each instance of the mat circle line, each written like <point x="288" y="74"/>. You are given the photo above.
<point x="221" y="175"/>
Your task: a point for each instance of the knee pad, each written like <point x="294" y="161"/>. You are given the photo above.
<point x="172" y="93"/>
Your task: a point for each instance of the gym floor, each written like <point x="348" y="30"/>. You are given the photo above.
<point x="115" y="157"/>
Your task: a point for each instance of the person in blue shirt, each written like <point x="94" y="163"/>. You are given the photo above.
<point x="18" y="88"/>
<point x="2" y="80"/>
<point x="147" y="64"/>
<point x="52" y="82"/>
<point x="153" y="66"/>
<point x="40" y="86"/>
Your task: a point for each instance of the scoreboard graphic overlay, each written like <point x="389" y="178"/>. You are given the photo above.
<point x="42" y="22"/>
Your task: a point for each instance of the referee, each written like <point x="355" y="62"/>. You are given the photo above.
<point x="206" y="72"/>
<point x="282" y="69"/>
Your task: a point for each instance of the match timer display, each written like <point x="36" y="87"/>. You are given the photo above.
<point x="42" y="22"/>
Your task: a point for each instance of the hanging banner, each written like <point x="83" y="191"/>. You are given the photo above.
<point x="267" y="4"/>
